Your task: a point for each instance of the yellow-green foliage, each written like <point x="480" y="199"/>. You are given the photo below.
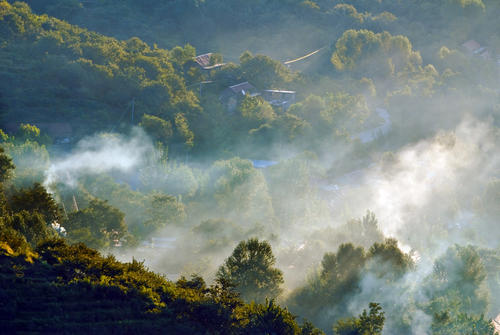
<point x="86" y="71"/>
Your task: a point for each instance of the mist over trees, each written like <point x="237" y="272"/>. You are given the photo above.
<point x="250" y="167"/>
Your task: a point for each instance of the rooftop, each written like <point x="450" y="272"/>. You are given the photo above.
<point x="242" y="88"/>
<point x="205" y="61"/>
<point x="280" y="91"/>
<point x="471" y="45"/>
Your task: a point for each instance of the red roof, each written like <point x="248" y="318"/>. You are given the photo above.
<point x="203" y="60"/>
<point x="471" y="45"/>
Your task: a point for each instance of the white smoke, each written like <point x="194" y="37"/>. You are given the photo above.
<point x="99" y="154"/>
<point x="428" y="179"/>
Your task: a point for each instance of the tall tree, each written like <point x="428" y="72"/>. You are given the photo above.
<point x="98" y="225"/>
<point x="251" y="270"/>
<point x="370" y="323"/>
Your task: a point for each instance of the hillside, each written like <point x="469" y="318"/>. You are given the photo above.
<point x="250" y="167"/>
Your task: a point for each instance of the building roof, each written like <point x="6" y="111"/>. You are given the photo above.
<point x="280" y="91"/>
<point x="471" y="45"/>
<point x="205" y="61"/>
<point x="242" y="88"/>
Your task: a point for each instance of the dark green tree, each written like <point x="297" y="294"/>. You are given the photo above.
<point x="165" y="210"/>
<point x="36" y="199"/>
<point x="99" y="225"/>
<point x="6" y="166"/>
<point x="370" y="323"/>
<point x="251" y="270"/>
<point x="269" y="318"/>
<point x="156" y="127"/>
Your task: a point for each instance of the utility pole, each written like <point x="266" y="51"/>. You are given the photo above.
<point x="75" y="205"/>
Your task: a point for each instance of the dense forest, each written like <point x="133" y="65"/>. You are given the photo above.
<point x="250" y="167"/>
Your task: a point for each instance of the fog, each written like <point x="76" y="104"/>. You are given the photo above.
<point x="423" y="195"/>
<point x="102" y="153"/>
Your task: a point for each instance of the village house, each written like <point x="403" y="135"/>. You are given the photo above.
<point x="471" y="46"/>
<point x="474" y="48"/>
<point x="206" y="61"/>
<point x="279" y="98"/>
<point x="233" y="94"/>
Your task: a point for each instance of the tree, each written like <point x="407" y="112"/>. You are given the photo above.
<point x="366" y="324"/>
<point x="31" y="225"/>
<point x="182" y="126"/>
<point x="263" y="71"/>
<point x="157" y="128"/>
<point x="269" y="318"/>
<point x="6" y="166"/>
<point x="98" y="225"/>
<point x="36" y="199"/>
<point x="376" y="55"/>
<point x="28" y="132"/>
<point x="255" y="111"/>
<point x="444" y="324"/>
<point x="251" y="270"/>
<point x="457" y="283"/>
<point x="164" y="210"/>
<point x="388" y="260"/>
<point x="343" y="267"/>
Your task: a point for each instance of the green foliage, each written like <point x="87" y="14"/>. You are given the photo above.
<point x="236" y="186"/>
<point x="443" y="323"/>
<point x="333" y="116"/>
<point x="364" y="51"/>
<point x="170" y="178"/>
<point x="31" y="225"/>
<point x="99" y="225"/>
<point x="29" y="154"/>
<point x="251" y="270"/>
<point x="183" y="129"/>
<point x="388" y="259"/>
<point x="269" y="318"/>
<point x="256" y="110"/>
<point x="89" y="72"/>
<point x="341" y="275"/>
<point x="457" y="283"/>
<point x="264" y="72"/>
<point x="366" y="324"/>
<point x="157" y="128"/>
<point x="36" y="199"/>
<point x="165" y="210"/>
<point x="114" y="296"/>
<point x="6" y="166"/>
<point x="31" y="133"/>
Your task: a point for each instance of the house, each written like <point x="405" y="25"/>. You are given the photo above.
<point x="231" y="95"/>
<point x="279" y="98"/>
<point x="471" y="46"/>
<point x="474" y="48"/>
<point x="205" y="61"/>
